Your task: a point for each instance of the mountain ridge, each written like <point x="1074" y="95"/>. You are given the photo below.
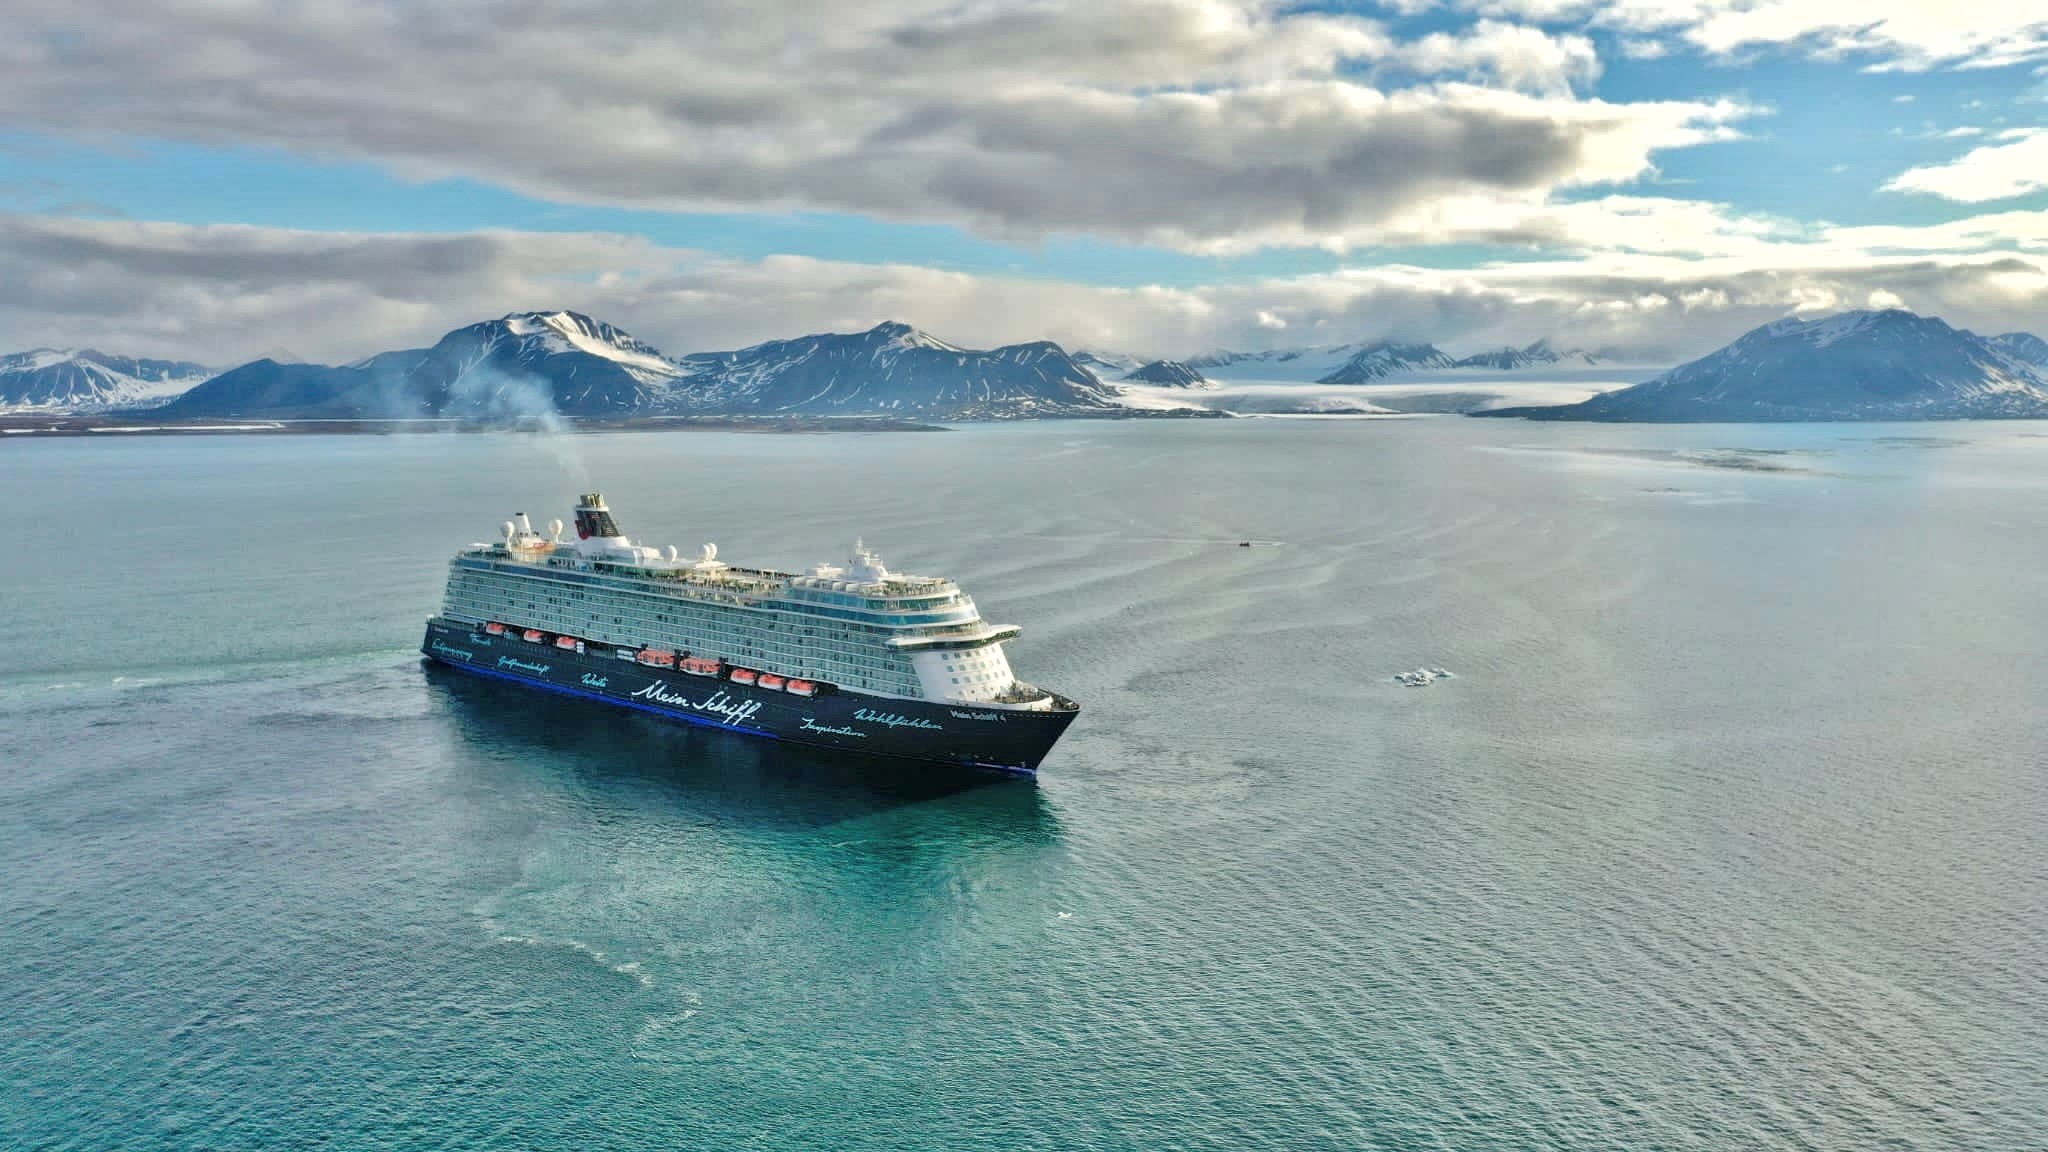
<point x="538" y="364"/>
<point x="1168" y="374"/>
<point x="1509" y="358"/>
<point x="86" y="379"/>
<point x="891" y="368"/>
<point x="1867" y="365"/>
<point x="521" y="365"/>
<point x="542" y="364"/>
<point x="1383" y="358"/>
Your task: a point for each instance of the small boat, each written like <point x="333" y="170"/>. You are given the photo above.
<point x="800" y="688"/>
<point x="656" y="657"/>
<point x="701" y="665"/>
<point x="533" y="636"/>
<point x="569" y="643"/>
<point x="771" y="681"/>
<point x="495" y="628"/>
<point x="743" y="675"/>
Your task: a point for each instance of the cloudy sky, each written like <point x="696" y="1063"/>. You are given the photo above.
<point x="220" y="179"/>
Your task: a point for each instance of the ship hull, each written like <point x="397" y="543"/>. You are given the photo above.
<point x="1002" y="740"/>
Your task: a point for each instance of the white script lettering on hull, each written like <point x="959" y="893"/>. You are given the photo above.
<point x="719" y="703"/>
<point x="892" y="720"/>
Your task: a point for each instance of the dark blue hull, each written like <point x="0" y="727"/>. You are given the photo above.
<point x="1004" y="740"/>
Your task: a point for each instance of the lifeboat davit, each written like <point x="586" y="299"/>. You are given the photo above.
<point x="495" y="628"/>
<point x="770" y="681"/>
<point x="656" y="658"/>
<point x="532" y="636"/>
<point x="701" y="665"/>
<point x="800" y="688"/>
<point x="743" y="675"/>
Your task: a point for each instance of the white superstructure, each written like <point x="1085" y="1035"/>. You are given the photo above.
<point x="858" y="626"/>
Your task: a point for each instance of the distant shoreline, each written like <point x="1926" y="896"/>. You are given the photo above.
<point x="25" y="426"/>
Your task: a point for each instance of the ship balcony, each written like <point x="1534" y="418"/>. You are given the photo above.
<point x="967" y="636"/>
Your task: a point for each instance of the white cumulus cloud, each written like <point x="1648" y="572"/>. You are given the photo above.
<point x="2015" y="167"/>
<point x="1207" y="125"/>
<point x="1514" y="55"/>
<point x="1895" y="34"/>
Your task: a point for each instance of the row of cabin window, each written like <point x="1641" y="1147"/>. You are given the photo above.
<point x="835" y="665"/>
<point x="666" y="613"/>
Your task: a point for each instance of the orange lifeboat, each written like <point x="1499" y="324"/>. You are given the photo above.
<point x="656" y="658"/>
<point x="701" y="665"/>
<point x="743" y="675"/>
<point x="495" y="628"/>
<point x="569" y="643"/>
<point x="800" y="688"/>
<point x="770" y="681"/>
<point x="532" y="636"/>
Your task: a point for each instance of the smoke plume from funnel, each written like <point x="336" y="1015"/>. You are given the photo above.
<point x="526" y="402"/>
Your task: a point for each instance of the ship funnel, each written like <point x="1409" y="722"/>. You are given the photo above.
<point x="525" y="525"/>
<point x="709" y="553"/>
<point x="594" y="519"/>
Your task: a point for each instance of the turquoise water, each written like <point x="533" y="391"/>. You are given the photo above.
<point x="1728" y="832"/>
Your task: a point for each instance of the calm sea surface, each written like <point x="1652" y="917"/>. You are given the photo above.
<point x="1730" y="832"/>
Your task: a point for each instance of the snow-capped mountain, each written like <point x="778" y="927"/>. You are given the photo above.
<point x="1390" y="361"/>
<point x="1108" y="364"/>
<point x="1889" y="365"/>
<point x="1383" y="358"/>
<point x="891" y="368"/>
<point x="85" y="380"/>
<point x="1356" y="363"/>
<point x="2024" y="347"/>
<point x="1168" y="373"/>
<point x="526" y="364"/>
<point x="536" y="364"/>
<point x="1537" y="355"/>
<point x="1305" y="365"/>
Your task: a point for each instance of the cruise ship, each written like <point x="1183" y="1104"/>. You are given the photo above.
<point x="851" y="657"/>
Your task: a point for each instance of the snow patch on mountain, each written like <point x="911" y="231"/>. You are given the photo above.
<point x="54" y="380"/>
<point x="571" y="331"/>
